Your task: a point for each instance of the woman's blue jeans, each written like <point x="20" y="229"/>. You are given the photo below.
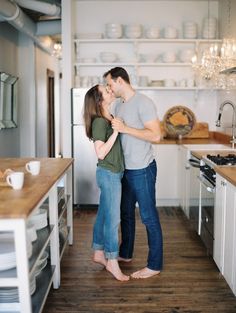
<point x="105" y="231"/>
<point x="139" y="186"/>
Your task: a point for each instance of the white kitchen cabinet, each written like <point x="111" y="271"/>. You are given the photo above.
<point x="16" y="207"/>
<point x="225" y="230"/>
<point x="219" y="222"/>
<point x="89" y="66"/>
<point x="184" y="179"/>
<point x="167" y="192"/>
<point x="229" y="256"/>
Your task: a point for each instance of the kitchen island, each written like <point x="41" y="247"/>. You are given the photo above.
<point x="16" y="207"/>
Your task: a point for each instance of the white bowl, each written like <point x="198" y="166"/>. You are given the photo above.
<point x="169" y="57"/>
<point x="108" y="57"/>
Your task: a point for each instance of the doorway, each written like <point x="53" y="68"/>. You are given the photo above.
<point x="51" y="113"/>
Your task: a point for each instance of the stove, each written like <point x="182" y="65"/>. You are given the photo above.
<point x="221" y="159"/>
<point x="207" y="193"/>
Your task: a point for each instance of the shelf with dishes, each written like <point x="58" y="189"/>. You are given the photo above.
<point x="146" y="40"/>
<point x="172" y="57"/>
<point x="117" y="50"/>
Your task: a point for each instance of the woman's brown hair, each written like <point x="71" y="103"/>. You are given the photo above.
<point x="92" y="108"/>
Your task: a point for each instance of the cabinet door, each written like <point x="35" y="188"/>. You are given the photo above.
<point x="219" y="222"/>
<point x="184" y="179"/>
<point x="230" y="242"/>
<point x="167" y="192"/>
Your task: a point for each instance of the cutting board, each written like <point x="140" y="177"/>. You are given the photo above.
<point x="200" y="130"/>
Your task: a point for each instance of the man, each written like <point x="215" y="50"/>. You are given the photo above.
<point x="137" y="121"/>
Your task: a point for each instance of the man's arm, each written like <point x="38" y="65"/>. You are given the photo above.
<point x="151" y="131"/>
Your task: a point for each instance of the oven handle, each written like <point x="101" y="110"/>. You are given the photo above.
<point x="209" y="187"/>
<point x="194" y="163"/>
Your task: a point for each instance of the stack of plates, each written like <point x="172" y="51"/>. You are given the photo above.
<point x="31" y="231"/>
<point x="209" y="28"/>
<point x="63" y="228"/>
<point x="190" y="30"/>
<point x="39" y="219"/>
<point x="108" y="57"/>
<point x="7" y="251"/>
<point x="42" y="262"/>
<point x="9" y="294"/>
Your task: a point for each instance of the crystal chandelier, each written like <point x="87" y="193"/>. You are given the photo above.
<point x="211" y="68"/>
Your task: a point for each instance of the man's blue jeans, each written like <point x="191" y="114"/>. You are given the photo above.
<point x="105" y="231"/>
<point x="139" y="186"/>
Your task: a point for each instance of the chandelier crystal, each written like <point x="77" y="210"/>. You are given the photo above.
<point x="216" y="59"/>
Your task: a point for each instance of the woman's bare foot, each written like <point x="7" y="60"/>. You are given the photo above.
<point x="120" y="259"/>
<point x="144" y="273"/>
<point x="99" y="257"/>
<point x="113" y="267"/>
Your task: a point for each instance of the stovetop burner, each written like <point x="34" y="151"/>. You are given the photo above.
<point x="223" y="160"/>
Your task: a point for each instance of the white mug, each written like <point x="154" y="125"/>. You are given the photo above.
<point x="33" y="167"/>
<point x="15" y="180"/>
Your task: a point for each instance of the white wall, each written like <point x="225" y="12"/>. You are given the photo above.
<point x="43" y="62"/>
<point x="9" y="138"/>
<point x="19" y="56"/>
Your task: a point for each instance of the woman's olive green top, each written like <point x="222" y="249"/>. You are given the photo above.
<point x="114" y="160"/>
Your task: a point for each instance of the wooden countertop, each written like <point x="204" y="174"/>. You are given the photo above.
<point x="229" y="173"/>
<point x="20" y="203"/>
<point x="214" y="138"/>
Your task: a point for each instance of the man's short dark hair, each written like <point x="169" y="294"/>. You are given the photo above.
<point x="116" y="72"/>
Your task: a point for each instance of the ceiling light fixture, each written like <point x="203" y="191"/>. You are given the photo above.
<point x="57" y="50"/>
<point x="211" y="68"/>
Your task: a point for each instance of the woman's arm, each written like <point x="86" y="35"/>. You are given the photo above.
<point x="103" y="148"/>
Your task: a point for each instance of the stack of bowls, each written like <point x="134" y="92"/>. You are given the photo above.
<point x="113" y="30"/>
<point x="190" y="30"/>
<point x="209" y="28"/>
<point x="133" y="31"/>
<point x="170" y="32"/>
<point x="153" y="32"/>
<point x="39" y="219"/>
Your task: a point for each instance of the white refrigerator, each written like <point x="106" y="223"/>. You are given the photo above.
<point x="86" y="192"/>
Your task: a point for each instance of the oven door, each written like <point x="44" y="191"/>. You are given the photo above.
<point x="206" y="203"/>
<point x="194" y="193"/>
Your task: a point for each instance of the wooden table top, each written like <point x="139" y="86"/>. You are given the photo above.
<point x="20" y="203"/>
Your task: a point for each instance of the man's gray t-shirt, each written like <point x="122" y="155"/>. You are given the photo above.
<point x="135" y="113"/>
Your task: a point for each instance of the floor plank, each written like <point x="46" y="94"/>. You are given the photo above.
<point x="189" y="283"/>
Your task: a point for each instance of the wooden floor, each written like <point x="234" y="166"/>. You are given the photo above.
<point x="189" y="283"/>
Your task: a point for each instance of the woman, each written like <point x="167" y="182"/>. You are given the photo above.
<point x="109" y="172"/>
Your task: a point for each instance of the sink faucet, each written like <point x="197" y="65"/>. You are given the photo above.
<point x="233" y="141"/>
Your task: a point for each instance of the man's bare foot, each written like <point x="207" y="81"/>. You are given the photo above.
<point x="120" y="259"/>
<point x="144" y="273"/>
<point x="99" y="257"/>
<point x="113" y="267"/>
